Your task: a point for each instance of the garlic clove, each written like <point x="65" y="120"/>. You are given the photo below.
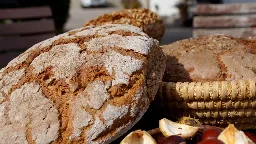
<point x="169" y="128"/>
<point x="231" y="135"/>
<point x="138" y="137"/>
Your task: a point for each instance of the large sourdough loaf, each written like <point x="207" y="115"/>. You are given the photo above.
<point x="148" y="21"/>
<point x="89" y="85"/>
<point x="211" y="58"/>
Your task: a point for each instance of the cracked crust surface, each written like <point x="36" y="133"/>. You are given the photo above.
<point x="148" y="21"/>
<point x="210" y="58"/>
<point x="89" y="85"/>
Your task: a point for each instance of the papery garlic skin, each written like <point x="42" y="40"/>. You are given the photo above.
<point x="138" y="137"/>
<point x="241" y="138"/>
<point x="169" y="128"/>
<point x="231" y="135"/>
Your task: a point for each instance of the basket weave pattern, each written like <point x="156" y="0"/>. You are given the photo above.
<point x="215" y="103"/>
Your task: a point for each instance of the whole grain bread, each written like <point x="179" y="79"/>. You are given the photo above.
<point x="210" y="58"/>
<point x="89" y="85"/>
<point x="151" y="23"/>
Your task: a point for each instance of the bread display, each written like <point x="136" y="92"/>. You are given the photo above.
<point x="210" y="58"/>
<point x="89" y="85"/>
<point x="148" y="21"/>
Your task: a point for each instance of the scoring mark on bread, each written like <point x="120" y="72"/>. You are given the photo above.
<point x="80" y="117"/>
<point x="102" y="128"/>
<point x="58" y="91"/>
<point x="65" y="59"/>
<point x="44" y="46"/>
<point x="89" y="72"/>
<point x="96" y="129"/>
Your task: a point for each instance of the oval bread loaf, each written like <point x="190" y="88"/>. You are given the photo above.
<point x="151" y="23"/>
<point x="89" y="85"/>
<point x="211" y="58"/>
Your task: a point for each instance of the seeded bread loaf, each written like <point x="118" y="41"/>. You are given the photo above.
<point x="89" y="85"/>
<point x="210" y="58"/>
<point x="148" y="21"/>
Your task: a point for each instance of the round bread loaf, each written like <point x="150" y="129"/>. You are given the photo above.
<point x="210" y="58"/>
<point x="148" y="21"/>
<point x="89" y="85"/>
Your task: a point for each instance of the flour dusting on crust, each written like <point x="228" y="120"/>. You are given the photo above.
<point x="113" y="113"/>
<point x="139" y="44"/>
<point x="88" y="85"/>
<point x="10" y="79"/>
<point x="65" y="60"/>
<point x="97" y="94"/>
<point x="28" y="109"/>
<point x="18" y="60"/>
<point x="122" y="66"/>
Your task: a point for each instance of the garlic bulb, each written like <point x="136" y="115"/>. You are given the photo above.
<point x="231" y="135"/>
<point x="138" y="137"/>
<point x="168" y="128"/>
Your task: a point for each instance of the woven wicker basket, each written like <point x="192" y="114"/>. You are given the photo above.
<point x="213" y="103"/>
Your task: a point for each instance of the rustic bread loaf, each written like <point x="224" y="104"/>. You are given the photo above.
<point x="89" y="85"/>
<point x="148" y="21"/>
<point x="210" y="58"/>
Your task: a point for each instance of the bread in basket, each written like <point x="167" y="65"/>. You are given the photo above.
<point x="212" y="79"/>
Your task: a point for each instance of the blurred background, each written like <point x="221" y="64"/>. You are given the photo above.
<point x="70" y="14"/>
<point x="177" y="14"/>
<point x="181" y="18"/>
